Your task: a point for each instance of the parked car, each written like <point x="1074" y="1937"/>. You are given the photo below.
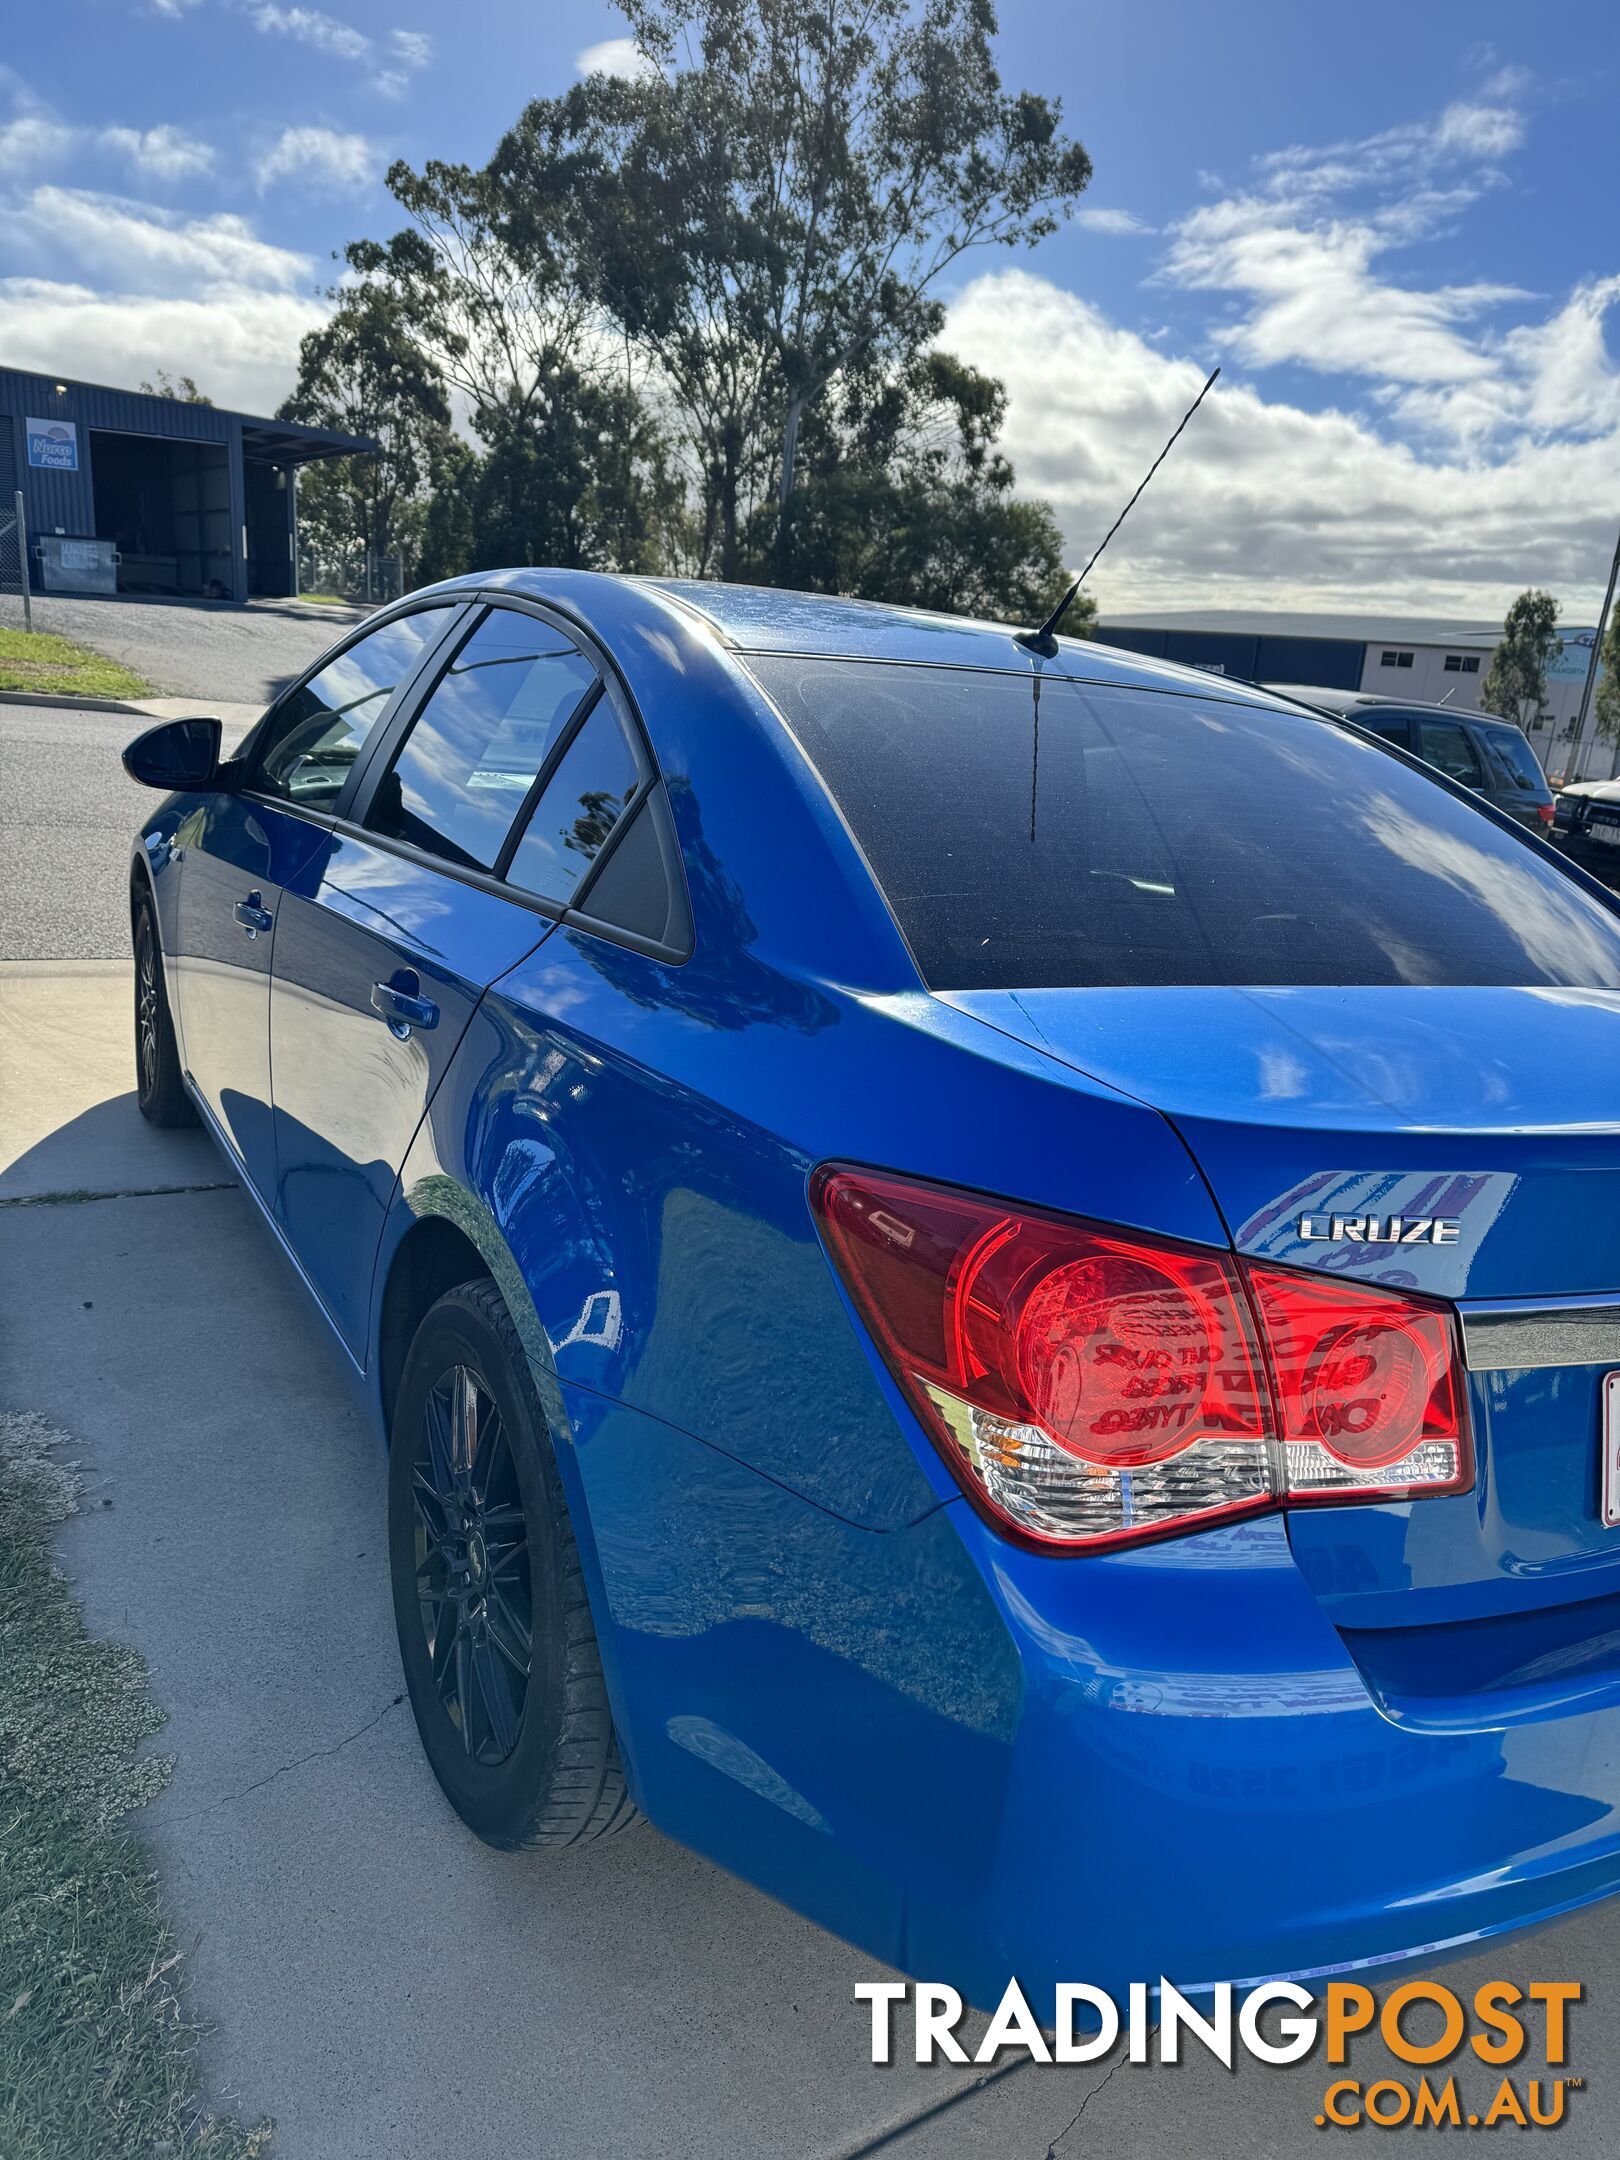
<point x="1586" y="824"/>
<point x="1491" y="756"/>
<point x="991" y="1281"/>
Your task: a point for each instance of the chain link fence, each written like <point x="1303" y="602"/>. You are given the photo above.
<point x="14" y="554"/>
<point x="361" y="576"/>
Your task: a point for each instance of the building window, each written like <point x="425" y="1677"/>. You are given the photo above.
<point x="1462" y="663"/>
<point x="1470" y="664"/>
<point x="1396" y="659"/>
<point x="1453" y="663"/>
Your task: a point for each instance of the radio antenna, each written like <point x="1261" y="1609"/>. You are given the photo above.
<point x="1044" y="640"/>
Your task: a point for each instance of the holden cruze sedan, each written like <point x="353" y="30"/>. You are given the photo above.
<point x="994" y="1282"/>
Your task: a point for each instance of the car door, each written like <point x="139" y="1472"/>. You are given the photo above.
<point x="240" y="850"/>
<point x="393" y="928"/>
<point x="1446" y="743"/>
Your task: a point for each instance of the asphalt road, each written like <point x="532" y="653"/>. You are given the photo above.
<point x="241" y="655"/>
<point x="68" y="818"/>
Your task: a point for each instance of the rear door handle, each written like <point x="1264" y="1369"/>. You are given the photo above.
<point x="402" y="1008"/>
<point x="252" y="914"/>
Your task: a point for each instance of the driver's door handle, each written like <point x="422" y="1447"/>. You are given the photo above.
<point x="252" y="915"/>
<point x="402" y="1008"/>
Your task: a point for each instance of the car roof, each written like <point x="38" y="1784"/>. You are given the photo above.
<point x="1350" y="701"/>
<point x="759" y="619"/>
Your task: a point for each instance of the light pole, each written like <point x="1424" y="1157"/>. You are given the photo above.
<point x="1592" y="663"/>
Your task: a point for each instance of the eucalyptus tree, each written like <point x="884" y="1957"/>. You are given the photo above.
<point x="774" y="201"/>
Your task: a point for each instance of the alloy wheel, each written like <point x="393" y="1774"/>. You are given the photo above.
<point x="473" y="1584"/>
<point x="146" y="1005"/>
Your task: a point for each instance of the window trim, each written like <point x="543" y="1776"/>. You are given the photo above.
<point x="247" y="756"/>
<point x="346" y="817"/>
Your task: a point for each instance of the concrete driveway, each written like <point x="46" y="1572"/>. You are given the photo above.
<point x="210" y="651"/>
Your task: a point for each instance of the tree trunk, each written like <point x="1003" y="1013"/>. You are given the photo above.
<point x="730" y="458"/>
<point x="784" y="512"/>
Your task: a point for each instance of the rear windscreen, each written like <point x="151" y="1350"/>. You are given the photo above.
<point x="1122" y="836"/>
<point x="1513" y="763"/>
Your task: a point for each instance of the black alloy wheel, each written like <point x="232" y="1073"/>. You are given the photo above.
<point x="159" y="1090"/>
<point x="472" y="1564"/>
<point x="495" y="1634"/>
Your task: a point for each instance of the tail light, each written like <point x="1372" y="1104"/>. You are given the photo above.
<point x="1092" y="1388"/>
<point x="1545" y="812"/>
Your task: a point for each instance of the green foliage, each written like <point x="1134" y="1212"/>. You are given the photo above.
<point x="1606" y="701"/>
<point x="1515" y="686"/>
<point x="364" y="372"/>
<point x="775" y="214"/>
<point x="179" y="387"/>
<point x="690" y="317"/>
<point x="494" y="295"/>
<point x="902" y="497"/>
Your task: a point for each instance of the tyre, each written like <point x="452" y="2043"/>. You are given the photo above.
<point x="159" y="1089"/>
<point x="500" y="1657"/>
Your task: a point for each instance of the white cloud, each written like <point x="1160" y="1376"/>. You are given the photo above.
<point x="160" y="153"/>
<point x="318" y="159"/>
<point x="311" y="27"/>
<point x="33" y="140"/>
<point x="151" y="250"/>
<point x="411" y="51"/>
<point x="240" y="343"/>
<point x="1263" y="504"/>
<point x="128" y="289"/>
<point x="1304" y="251"/>
<point x="1111" y="221"/>
<point x="614" y="56"/>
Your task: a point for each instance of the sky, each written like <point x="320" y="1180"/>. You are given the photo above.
<point x="1396" y="227"/>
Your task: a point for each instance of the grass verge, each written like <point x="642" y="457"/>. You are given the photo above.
<point x="34" y="660"/>
<point x="97" y="2053"/>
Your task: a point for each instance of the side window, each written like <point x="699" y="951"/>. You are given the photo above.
<point x="1393" y="731"/>
<point x="465" y="769"/>
<point x="579" y="806"/>
<point x="313" y="737"/>
<point x="1444" y="743"/>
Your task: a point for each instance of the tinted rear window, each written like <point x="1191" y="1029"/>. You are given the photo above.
<point x="1513" y="763"/>
<point x="1125" y="836"/>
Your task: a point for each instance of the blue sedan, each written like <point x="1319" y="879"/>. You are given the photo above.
<point x="992" y="1280"/>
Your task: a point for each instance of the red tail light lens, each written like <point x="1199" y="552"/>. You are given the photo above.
<point x="1092" y="1388"/>
<point x="1366" y="1388"/>
<point x="1545" y="812"/>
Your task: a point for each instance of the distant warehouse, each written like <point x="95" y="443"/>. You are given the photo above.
<point x="1431" y="659"/>
<point x="125" y="492"/>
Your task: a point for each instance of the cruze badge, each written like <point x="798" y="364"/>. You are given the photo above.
<point x="1380" y="1229"/>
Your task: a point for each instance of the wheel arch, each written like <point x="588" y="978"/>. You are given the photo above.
<point x="447" y="1236"/>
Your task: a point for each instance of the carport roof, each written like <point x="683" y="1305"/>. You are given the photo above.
<point x="285" y="442"/>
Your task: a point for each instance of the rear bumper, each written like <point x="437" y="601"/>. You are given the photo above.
<point x="973" y="1762"/>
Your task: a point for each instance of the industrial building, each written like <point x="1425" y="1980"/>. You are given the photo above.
<point x="124" y="492"/>
<point x="1432" y="660"/>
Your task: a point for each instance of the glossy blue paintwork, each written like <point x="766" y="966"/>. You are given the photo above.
<point x="826" y="1671"/>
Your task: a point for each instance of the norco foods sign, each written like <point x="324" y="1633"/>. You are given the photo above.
<point x="53" y="445"/>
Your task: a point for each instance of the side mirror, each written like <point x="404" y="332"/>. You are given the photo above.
<point x="176" y="756"/>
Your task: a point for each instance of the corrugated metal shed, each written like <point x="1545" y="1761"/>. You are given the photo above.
<point x="62" y="498"/>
